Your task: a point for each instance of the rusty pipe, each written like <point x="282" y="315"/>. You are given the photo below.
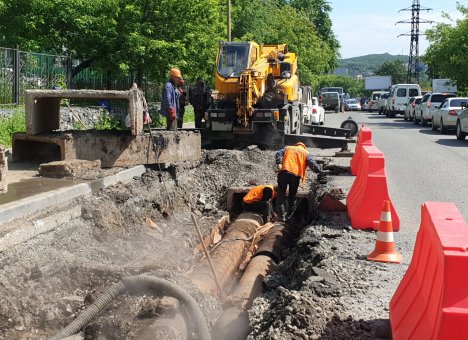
<point x="227" y="257"/>
<point x="233" y="324"/>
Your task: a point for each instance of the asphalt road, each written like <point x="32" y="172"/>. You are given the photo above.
<point x="421" y="165"/>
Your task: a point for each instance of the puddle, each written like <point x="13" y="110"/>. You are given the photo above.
<point x="34" y="186"/>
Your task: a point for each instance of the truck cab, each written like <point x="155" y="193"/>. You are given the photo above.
<point x="256" y="86"/>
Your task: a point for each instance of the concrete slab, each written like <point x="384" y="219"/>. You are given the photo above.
<point x="27" y="206"/>
<point x="112" y="148"/>
<point x="43" y="107"/>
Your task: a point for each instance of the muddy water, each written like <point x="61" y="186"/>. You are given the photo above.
<point x="34" y="186"/>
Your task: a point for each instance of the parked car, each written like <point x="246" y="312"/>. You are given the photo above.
<point x="446" y="116"/>
<point x="399" y="96"/>
<point x="382" y="103"/>
<point x="352" y="105"/>
<point x="429" y="103"/>
<point x="410" y="107"/>
<point x="462" y="123"/>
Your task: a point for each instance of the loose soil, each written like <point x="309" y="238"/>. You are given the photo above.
<point x="324" y="288"/>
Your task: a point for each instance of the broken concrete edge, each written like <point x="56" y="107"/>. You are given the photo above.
<point x="27" y="206"/>
<point x="38" y="227"/>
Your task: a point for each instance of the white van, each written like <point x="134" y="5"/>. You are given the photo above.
<point x="399" y="96"/>
<point x="374" y="101"/>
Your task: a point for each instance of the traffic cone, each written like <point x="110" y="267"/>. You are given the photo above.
<point x="385" y="246"/>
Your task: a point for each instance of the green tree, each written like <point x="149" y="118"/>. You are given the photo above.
<point x="118" y="36"/>
<point x="264" y="22"/>
<point x="354" y="87"/>
<point x="394" y="68"/>
<point x="447" y="55"/>
<point x="318" y="12"/>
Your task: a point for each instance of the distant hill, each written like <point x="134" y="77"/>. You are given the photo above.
<point x="367" y="64"/>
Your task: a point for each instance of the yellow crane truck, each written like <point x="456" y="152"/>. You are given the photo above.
<point x="257" y="92"/>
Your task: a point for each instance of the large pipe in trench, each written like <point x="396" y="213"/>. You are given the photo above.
<point x="233" y="324"/>
<point x="227" y="257"/>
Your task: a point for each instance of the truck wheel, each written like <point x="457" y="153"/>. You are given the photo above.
<point x="337" y="109"/>
<point x="351" y="125"/>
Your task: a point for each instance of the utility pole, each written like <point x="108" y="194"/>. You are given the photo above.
<point x="413" y="59"/>
<point x="229" y="20"/>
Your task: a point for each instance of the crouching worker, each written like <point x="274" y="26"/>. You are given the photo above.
<point x="259" y="199"/>
<point x="291" y="165"/>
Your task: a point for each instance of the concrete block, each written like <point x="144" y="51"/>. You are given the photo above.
<point x="67" y="168"/>
<point x="43" y="107"/>
<point x="112" y="148"/>
<point x="30" y="205"/>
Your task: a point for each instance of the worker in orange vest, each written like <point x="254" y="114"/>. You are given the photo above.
<point x="291" y="165"/>
<point x="259" y="199"/>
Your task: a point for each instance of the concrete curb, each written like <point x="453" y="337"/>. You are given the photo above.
<point x="26" y="206"/>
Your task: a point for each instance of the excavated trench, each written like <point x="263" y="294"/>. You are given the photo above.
<point x="145" y="227"/>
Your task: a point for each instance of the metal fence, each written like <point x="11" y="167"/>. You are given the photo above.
<point x="20" y="71"/>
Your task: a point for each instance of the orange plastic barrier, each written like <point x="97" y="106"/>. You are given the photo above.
<point x="368" y="191"/>
<point x="431" y="301"/>
<point x="364" y="138"/>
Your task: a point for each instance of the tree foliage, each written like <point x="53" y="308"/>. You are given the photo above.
<point x="147" y="37"/>
<point x="116" y="36"/>
<point x="354" y="87"/>
<point x="367" y="64"/>
<point x="394" y="68"/>
<point x="272" y="21"/>
<point x="447" y="55"/>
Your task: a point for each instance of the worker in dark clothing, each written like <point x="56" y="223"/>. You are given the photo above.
<point x="259" y="199"/>
<point x="170" y="104"/>
<point x="199" y="97"/>
<point x="291" y="165"/>
<point x="182" y="103"/>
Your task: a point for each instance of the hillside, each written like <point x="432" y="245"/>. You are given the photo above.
<point x="366" y="64"/>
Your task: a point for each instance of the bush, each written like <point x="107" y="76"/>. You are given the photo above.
<point x="9" y="125"/>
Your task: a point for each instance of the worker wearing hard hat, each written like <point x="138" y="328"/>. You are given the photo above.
<point x="259" y="199"/>
<point x="291" y="165"/>
<point x="170" y="102"/>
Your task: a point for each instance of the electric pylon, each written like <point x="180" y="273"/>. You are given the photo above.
<point x="413" y="59"/>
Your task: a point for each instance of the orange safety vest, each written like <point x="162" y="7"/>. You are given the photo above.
<point x="295" y="160"/>
<point x="256" y="194"/>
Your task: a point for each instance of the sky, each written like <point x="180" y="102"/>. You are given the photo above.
<point x="369" y="26"/>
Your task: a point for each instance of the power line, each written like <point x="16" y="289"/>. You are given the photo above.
<point x="413" y="58"/>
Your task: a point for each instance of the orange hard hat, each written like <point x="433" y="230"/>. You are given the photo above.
<point x="175" y="72"/>
<point x="300" y="144"/>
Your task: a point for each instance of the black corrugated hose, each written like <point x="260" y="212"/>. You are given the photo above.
<point x="137" y="284"/>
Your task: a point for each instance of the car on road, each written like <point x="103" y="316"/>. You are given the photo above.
<point x="410" y="107"/>
<point x="315" y="115"/>
<point x="430" y="102"/>
<point x="352" y="105"/>
<point x="462" y="123"/>
<point x="399" y="96"/>
<point x="446" y="116"/>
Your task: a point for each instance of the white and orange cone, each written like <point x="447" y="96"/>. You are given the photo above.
<point x="385" y="245"/>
